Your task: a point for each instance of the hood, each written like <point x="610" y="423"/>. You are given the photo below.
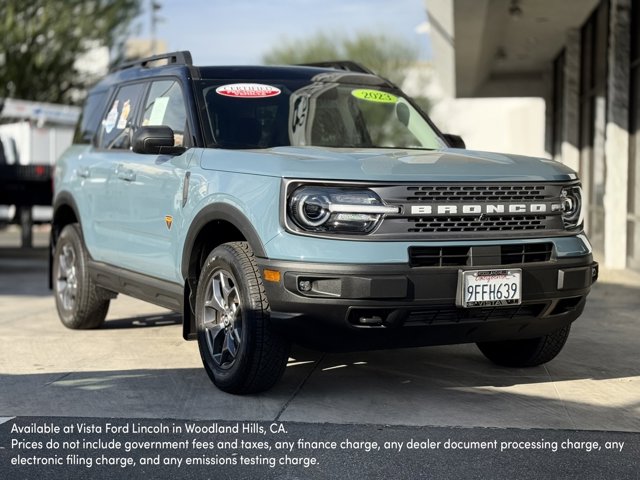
<point x="386" y="165"/>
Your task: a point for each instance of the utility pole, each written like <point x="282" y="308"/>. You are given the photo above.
<point x="156" y="6"/>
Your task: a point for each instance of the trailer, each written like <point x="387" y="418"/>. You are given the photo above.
<point x="32" y="136"/>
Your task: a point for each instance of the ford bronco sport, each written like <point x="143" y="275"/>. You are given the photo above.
<point x="314" y="204"/>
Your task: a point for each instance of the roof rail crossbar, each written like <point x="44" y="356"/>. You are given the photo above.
<point x="176" y="58"/>
<point x="347" y="65"/>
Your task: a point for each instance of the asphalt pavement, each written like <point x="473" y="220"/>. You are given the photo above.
<point x="138" y="367"/>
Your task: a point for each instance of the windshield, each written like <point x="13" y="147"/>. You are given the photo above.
<point x="299" y="113"/>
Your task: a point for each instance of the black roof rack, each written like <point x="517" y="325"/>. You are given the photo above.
<point x="173" y="58"/>
<point x="347" y="65"/>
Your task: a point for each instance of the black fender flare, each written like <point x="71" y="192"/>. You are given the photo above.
<point x="65" y="199"/>
<point x="224" y="212"/>
<point x="211" y="213"/>
<point x="62" y="199"/>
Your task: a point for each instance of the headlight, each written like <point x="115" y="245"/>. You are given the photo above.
<point x="571" y="206"/>
<point x="336" y="210"/>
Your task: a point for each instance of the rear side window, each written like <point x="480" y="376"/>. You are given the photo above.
<point x="118" y="120"/>
<point x="89" y="120"/>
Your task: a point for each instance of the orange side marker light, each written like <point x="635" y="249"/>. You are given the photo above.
<point x="271" y="275"/>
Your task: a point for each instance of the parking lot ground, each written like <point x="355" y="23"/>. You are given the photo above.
<point x="137" y="365"/>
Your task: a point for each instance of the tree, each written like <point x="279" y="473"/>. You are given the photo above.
<point x="41" y="40"/>
<point x="385" y="55"/>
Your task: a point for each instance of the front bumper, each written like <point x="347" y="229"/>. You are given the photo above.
<point x="352" y="307"/>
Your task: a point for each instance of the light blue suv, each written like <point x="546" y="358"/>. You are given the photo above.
<point x="310" y="204"/>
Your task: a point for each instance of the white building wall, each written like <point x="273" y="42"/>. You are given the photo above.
<point x="505" y="125"/>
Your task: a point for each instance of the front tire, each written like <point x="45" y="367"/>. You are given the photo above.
<point x="529" y="352"/>
<point x="80" y="303"/>
<point x="239" y="351"/>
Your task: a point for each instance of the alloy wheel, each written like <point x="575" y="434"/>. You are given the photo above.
<point x="67" y="279"/>
<point x="222" y="318"/>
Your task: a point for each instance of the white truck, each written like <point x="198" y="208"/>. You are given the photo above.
<point x="32" y="136"/>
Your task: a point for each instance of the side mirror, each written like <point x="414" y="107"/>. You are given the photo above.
<point x="157" y="139"/>
<point x="454" y="141"/>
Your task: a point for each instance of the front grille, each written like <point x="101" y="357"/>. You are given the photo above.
<point x="474" y="224"/>
<point x="484" y="255"/>
<point x="450" y="314"/>
<point x="475" y="193"/>
<point x="442" y="211"/>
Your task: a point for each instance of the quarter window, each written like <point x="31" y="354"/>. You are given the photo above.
<point x="89" y="121"/>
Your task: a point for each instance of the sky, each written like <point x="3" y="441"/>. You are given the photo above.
<point x="225" y="32"/>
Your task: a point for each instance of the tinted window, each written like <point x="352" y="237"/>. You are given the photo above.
<point x="165" y="106"/>
<point x="89" y="120"/>
<point x="298" y="113"/>
<point x="118" y="120"/>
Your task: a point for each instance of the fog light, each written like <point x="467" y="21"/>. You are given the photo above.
<point x="304" y="285"/>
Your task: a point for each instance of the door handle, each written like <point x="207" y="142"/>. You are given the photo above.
<point x="126" y="174"/>
<point x="83" y="172"/>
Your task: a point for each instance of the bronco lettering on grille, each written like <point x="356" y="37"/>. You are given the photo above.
<point x="486" y="209"/>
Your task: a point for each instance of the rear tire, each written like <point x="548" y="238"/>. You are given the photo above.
<point x="239" y="351"/>
<point x="80" y="303"/>
<point x="529" y="352"/>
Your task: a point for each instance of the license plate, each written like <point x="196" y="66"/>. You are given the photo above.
<point x="483" y="288"/>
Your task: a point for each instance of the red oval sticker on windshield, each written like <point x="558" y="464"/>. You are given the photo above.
<point x="248" y="90"/>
